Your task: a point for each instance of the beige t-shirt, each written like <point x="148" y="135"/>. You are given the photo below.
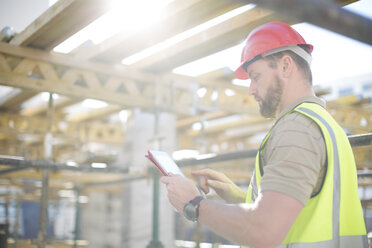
<point x="294" y="156"/>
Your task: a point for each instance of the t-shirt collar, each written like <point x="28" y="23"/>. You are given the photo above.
<point x="294" y="104"/>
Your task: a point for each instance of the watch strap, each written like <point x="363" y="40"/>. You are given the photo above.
<point x="196" y="201"/>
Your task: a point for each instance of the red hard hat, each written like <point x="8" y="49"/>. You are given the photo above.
<point x="265" y="38"/>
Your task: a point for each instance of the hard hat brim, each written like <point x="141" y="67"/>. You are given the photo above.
<point x="240" y="73"/>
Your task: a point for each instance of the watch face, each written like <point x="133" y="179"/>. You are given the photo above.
<point x="190" y="211"/>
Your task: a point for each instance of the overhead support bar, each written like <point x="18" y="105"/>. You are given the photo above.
<point x="10" y="170"/>
<point x="218" y="158"/>
<point x="40" y="164"/>
<point x="355" y="140"/>
<point x="325" y="14"/>
<point x="361" y="140"/>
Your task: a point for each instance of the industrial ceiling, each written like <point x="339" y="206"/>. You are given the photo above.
<point x="29" y="66"/>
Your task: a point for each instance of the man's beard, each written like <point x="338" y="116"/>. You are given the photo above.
<point x="270" y="103"/>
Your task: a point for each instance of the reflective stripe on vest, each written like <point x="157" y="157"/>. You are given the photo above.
<point x="359" y="241"/>
<point x="332" y="218"/>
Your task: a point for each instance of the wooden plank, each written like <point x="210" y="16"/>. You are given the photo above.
<point x="14" y="100"/>
<point x="104" y="133"/>
<point x="217" y="38"/>
<point x="65" y="132"/>
<point x="4" y="66"/>
<point x="122" y="71"/>
<point x="224" y="73"/>
<point x="76" y="177"/>
<point x="61" y="87"/>
<point x="96" y="114"/>
<point x="112" y="45"/>
<point x="59" y="22"/>
<point x="326" y="14"/>
<point x="187" y="122"/>
<point x="46" y="31"/>
<point x="244" y="121"/>
<point x="90" y="83"/>
<point x="66" y="60"/>
<point x="58" y="105"/>
<point x="221" y="36"/>
<point x="181" y="15"/>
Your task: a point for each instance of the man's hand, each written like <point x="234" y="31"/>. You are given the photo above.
<point x="180" y="190"/>
<point x="223" y="186"/>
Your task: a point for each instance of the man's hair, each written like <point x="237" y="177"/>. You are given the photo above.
<point x="301" y="63"/>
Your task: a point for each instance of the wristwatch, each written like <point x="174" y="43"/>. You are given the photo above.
<point x="191" y="209"/>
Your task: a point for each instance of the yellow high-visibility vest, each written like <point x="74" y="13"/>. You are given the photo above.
<point x="333" y="217"/>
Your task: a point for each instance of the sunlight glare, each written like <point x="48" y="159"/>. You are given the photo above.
<point x="201" y="92"/>
<point x="124" y="16"/>
<point x="94" y="104"/>
<point x="187" y="34"/>
<point x="229" y="92"/>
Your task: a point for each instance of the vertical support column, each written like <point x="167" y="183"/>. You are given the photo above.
<point x="202" y="140"/>
<point x="77" y="217"/>
<point x="139" y="138"/>
<point x="203" y="149"/>
<point x="48" y="149"/>
<point x="155" y="242"/>
<point x="18" y="214"/>
<point x="4" y="227"/>
<point x="6" y="208"/>
<point x="42" y="236"/>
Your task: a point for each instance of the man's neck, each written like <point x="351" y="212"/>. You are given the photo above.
<point x="293" y="92"/>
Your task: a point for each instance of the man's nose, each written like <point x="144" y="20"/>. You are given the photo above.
<point x="251" y="88"/>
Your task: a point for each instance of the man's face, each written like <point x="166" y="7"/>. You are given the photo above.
<point x="266" y="87"/>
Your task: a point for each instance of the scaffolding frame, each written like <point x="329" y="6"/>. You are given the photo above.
<point x="321" y="13"/>
<point x="22" y="164"/>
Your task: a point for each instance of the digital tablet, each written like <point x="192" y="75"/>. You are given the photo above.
<point x="164" y="162"/>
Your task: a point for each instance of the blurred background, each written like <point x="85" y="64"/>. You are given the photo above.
<point x="88" y="86"/>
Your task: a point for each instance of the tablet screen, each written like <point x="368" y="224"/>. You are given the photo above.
<point x="166" y="162"/>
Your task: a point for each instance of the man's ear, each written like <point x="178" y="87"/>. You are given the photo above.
<point x="286" y="66"/>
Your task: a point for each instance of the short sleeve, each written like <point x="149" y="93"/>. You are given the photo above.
<point x="293" y="157"/>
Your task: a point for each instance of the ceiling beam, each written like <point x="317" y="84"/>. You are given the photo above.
<point x="224" y="73"/>
<point x="62" y="74"/>
<point x="219" y="37"/>
<point x="58" y="105"/>
<point x="46" y="32"/>
<point x="178" y="16"/>
<point x="59" y="22"/>
<point x="325" y="14"/>
<point x="13" y="125"/>
<point x="96" y="113"/>
<point x="70" y="61"/>
<point x="187" y="122"/>
<point x="114" y="48"/>
<point x="14" y="100"/>
<point x="242" y="122"/>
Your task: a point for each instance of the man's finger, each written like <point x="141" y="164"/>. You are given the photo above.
<point x="212" y="174"/>
<point x="216" y="184"/>
<point x="207" y="172"/>
<point x="203" y="185"/>
<point x="165" y="179"/>
<point x="202" y="172"/>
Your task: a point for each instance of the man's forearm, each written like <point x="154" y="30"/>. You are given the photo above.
<point x="226" y="220"/>
<point x="265" y="223"/>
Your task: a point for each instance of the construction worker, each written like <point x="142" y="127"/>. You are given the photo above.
<point x="304" y="191"/>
